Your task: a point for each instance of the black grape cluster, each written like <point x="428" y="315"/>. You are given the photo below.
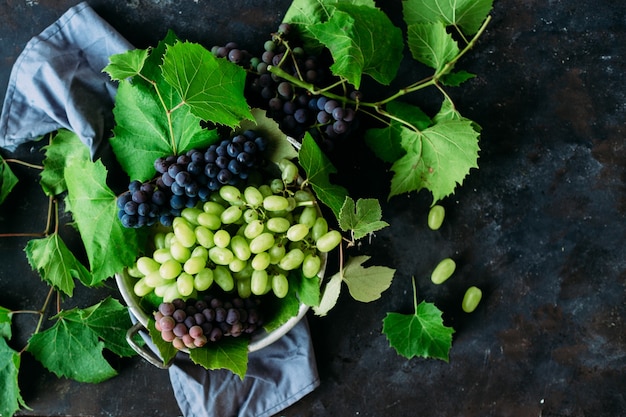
<point x="194" y="323"/>
<point x="294" y="109"/>
<point x="184" y="180"/>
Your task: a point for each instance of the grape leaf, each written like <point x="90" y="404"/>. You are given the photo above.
<point x="307" y="289"/>
<point x="332" y="289"/>
<point x="278" y="313"/>
<point x="431" y="44"/>
<point x="455" y="79"/>
<point x="466" y="14"/>
<point x="386" y="142"/>
<point x="10" y="397"/>
<point x="211" y="87"/>
<point x="362" y="219"/>
<point x="437" y="158"/>
<point x="126" y="64"/>
<point x="110" y="247"/>
<point x="142" y="133"/>
<point x="63" y="146"/>
<point x="362" y="40"/>
<point x="420" y="334"/>
<point x="110" y="321"/>
<point x="230" y="353"/>
<point x="318" y="169"/>
<point x="8" y="178"/>
<point x="56" y="264"/>
<point x="366" y="283"/>
<point x="5" y="322"/>
<point x="71" y="349"/>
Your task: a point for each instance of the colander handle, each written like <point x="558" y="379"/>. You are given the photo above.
<point x="143" y="351"/>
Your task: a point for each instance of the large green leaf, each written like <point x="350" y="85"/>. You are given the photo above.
<point x="318" y="170"/>
<point x="362" y="40"/>
<point x="437" y="158"/>
<point x="211" y="87"/>
<point x="229" y="353"/>
<point x="110" y="321"/>
<point x="10" y="397"/>
<point x="466" y="14"/>
<point x="431" y="44"/>
<point x="110" y="247"/>
<point x="56" y="264"/>
<point x="64" y="146"/>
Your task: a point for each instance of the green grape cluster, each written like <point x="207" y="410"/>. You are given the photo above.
<point x="244" y="239"/>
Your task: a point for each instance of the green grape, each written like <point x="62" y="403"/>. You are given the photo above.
<point x="277" y="252"/>
<point x="162" y="255"/>
<point x="250" y="215"/>
<point x="275" y="203"/>
<point x="179" y="252"/>
<point x="221" y="238"/>
<point x="237" y="265"/>
<point x="141" y="288"/>
<point x="308" y="216"/>
<point x="231" y="215"/>
<point x="302" y="196"/>
<point x="213" y="207"/>
<point x="191" y="215"/>
<point x="193" y="265"/>
<point x="436" y="214"/>
<point x="171" y="293"/>
<point x="258" y="282"/>
<point x="262" y="242"/>
<point x="291" y="204"/>
<point x="185" y="284"/>
<point x="276" y="185"/>
<point x="253" y="196"/>
<point x="170" y="269"/>
<point x="204" y="237"/>
<point x="319" y="229"/>
<point x="278" y="224"/>
<point x="168" y="239"/>
<point x="328" y="241"/>
<point x="154" y="279"/>
<point x="211" y="221"/>
<point x="280" y="285"/>
<point x="260" y="261"/>
<point x="200" y="252"/>
<point x="221" y="256"/>
<point x="292" y="259"/>
<point x="297" y="232"/>
<point x="246" y="272"/>
<point x="253" y="229"/>
<point x="184" y="232"/>
<point x="231" y="194"/>
<point x="244" y="288"/>
<point x="311" y="265"/>
<point x="159" y="240"/>
<point x="146" y="265"/>
<point x="239" y="246"/>
<point x="471" y="299"/>
<point x="443" y="271"/>
<point x="289" y="170"/>
<point x="203" y="280"/>
<point x="161" y="289"/>
<point x="223" y="278"/>
<point x="265" y="190"/>
<point x="134" y="272"/>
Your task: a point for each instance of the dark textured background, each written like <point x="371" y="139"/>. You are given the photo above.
<point x="540" y="227"/>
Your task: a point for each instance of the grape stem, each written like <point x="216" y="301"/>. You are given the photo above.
<point x="379" y="106"/>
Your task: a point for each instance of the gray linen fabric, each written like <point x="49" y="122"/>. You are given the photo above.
<point x="57" y="82"/>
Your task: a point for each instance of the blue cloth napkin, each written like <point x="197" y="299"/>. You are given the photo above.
<point x="57" y="82"/>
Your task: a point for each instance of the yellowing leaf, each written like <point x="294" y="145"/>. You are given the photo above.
<point x="366" y="284"/>
<point x="330" y="295"/>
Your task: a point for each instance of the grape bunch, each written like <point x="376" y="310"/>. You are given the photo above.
<point x="184" y="180"/>
<point x="294" y="108"/>
<point x="192" y="323"/>
<point x="245" y="240"/>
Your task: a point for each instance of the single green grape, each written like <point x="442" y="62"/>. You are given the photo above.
<point x="146" y="265"/>
<point x="221" y="238"/>
<point x="262" y="242"/>
<point x="221" y="256"/>
<point x="170" y="269"/>
<point x="253" y="196"/>
<point x="292" y="259"/>
<point x="436" y="214"/>
<point x="443" y="271"/>
<point x="328" y="241"/>
<point x="203" y="280"/>
<point x="185" y="284"/>
<point x="204" y="237"/>
<point x="471" y="299"/>
<point x="239" y="246"/>
<point x="280" y="285"/>
<point x="311" y="265"/>
<point x="223" y="278"/>
<point x="258" y="282"/>
<point x="194" y="264"/>
<point x="297" y="232"/>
